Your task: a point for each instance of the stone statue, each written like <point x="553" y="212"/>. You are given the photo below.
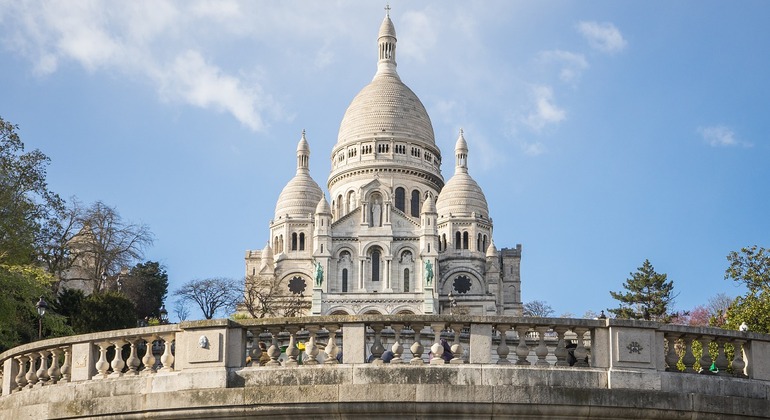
<point x="428" y="272"/>
<point x="376" y="214"/>
<point x="319" y="274"/>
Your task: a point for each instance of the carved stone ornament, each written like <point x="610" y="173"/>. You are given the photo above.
<point x="203" y="342"/>
<point x="634" y="347"/>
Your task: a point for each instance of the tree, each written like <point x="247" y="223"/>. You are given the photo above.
<point x="146" y="285"/>
<point x="96" y="240"/>
<point x="211" y="295"/>
<point x="103" y="312"/>
<point x="648" y="296"/>
<point x="751" y="267"/>
<point x="181" y="309"/>
<point x="538" y="308"/>
<point x="26" y="205"/>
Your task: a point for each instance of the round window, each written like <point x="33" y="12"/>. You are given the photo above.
<point x="297" y="285"/>
<point x="462" y="284"/>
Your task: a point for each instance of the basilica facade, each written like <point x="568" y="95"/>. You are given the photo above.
<point x="394" y="236"/>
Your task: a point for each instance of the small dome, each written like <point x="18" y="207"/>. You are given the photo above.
<point x="461" y="196"/>
<point x="429" y="206"/>
<point x="323" y="207"/>
<point x="300" y="196"/>
<point x="491" y="250"/>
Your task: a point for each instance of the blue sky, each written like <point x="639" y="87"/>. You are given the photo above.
<point x="603" y="133"/>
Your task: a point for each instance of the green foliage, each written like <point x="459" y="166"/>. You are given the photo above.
<point x="22" y="286"/>
<point x="648" y="296"/>
<point x="103" y="312"/>
<point x="750" y="266"/>
<point x="146" y="286"/>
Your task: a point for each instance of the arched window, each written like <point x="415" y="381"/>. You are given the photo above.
<point x="339" y="206"/>
<point x="465" y="240"/>
<point x="294" y="241"/>
<point x="401" y="199"/>
<point x="376" y="265"/>
<point x="302" y="241"/>
<point x="280" y="243"/>
<point x="351" y="201"/>
<point x="484" y="244"/>
<point x="443" y="241"/>
<point x="344" y="280"/>
<point x="478" y="243"/>
<point x="406" y="280"/>
<point x="457" y="240"/>
<point x="415" y="203"/>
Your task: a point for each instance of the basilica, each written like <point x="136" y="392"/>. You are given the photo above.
<point x="395" y="238"/>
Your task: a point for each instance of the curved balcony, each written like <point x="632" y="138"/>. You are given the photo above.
<point x="383" y="366"/>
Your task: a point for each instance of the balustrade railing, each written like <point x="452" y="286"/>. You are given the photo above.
<point x="398" y="340"/>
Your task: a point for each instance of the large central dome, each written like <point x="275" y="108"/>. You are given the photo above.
<point x="386" y="106"/>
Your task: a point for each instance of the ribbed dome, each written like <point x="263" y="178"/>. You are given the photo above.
<point x="386" y="105"/>
<point x="461" y="195"/>
<point x="301" y="195"/>
<point x="323" y="206"/>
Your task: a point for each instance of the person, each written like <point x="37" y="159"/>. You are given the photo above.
<point x="387" y="356"/>
<point x="263" y="357"/>
<point x="447" y="355"/>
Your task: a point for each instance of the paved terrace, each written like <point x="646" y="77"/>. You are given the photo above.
<point x="501" y="367"/>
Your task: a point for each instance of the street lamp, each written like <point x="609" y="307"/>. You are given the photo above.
<point x="104" y="280"/>
<point x="41" y="306"/>
<point x="163" y="314"/>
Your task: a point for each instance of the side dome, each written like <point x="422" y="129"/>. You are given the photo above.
<point x="301" y="194"/>
<point x="461" y="196"/>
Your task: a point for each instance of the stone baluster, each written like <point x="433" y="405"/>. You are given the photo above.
<point x="292" y="352"/>
<point x="377" y="348"/>
<point x="331" y="346"/>
<point x="31" y="375"/>
<point x="54" y="372"/>
<point x="397" y="348"/>
<point x="42" y="372"/>
<point x="437" y="350"/>
<point x="133" y="361"/>
<point x="581" y="352"/>
<point x="739" y="364"/>
<point x="457" y="348"/>
<point x="541" y="351"/>
<point x="561" y="347"/>
<point x="705" y="357"/>
<point x="117" y="361"/>
<point x="149" y="359"/>
<point x="311" y="349"/>
<point x="672" y="357"/>
<point x="689" y="358"/>
<point x="502" y="349"/>
<point x="417" y="348"/>
<point x="21" y="377"/>
<point x="522" y="351"/>
<point x="274" y="351"/>
<point x="66" y="367"/>
<point x="102" y="366"/>
<point x="721" y="362"/>
<point x="167" y="358"/>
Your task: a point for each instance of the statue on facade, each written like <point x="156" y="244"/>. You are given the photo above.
<point x="428" y="272"/>
<point x="376" y="214"/>
<point x="319" y="274"/>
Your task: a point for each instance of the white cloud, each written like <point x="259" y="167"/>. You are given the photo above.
<point x="572" y="64"/>
<point x="545" y="110"/>
<point x="420" y="34"/>
<point x="533" y="149"/>
<point x="604" y="37"/>
<point x="720" y="136"/>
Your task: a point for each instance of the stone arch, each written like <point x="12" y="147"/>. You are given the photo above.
<point x="338" y="311"/>
<point x="447" y="279"/>
<point x="403" y="310"/>
<point x="370" y="310"/>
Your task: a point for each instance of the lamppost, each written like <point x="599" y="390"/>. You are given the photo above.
<point x="41" y="306"/>
<point x="452" y="303"/>
<point x="163" y="314"/>
<point x="104" y="281"/>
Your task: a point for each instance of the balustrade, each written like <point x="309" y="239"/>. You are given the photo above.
<point x="413" y="340"/>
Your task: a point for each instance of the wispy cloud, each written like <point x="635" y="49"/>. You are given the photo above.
<point x="420" y="34"/>
<point x="604" y="36"/>
<point x="572" y="64"/>
<point x="533" y="149"/>
<point x="545" y="111"/>
<point x="721" y="136"/>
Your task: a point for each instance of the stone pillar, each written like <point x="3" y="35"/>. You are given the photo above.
<point x="480" y="344"/>
<point x="354" y="343"/>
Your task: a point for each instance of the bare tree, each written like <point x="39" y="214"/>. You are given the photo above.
<point x="266" y="296"/>
<point x="181" y="309"/>
<point x="211" y="295"/>
<point x="538" y="308"/>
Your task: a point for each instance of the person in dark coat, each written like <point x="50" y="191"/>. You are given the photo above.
<point x="447" y="355"/>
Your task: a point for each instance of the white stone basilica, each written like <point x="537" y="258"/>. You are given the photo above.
<point x="396" y="238"/>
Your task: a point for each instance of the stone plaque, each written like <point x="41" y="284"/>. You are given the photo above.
<point x="210" y="352"/>
<point x="634" y="346"/>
